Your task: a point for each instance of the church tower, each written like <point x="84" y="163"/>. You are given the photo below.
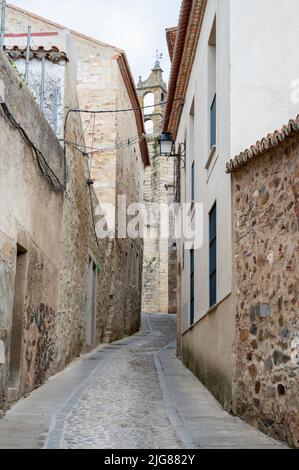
<point x="159" y="267"/>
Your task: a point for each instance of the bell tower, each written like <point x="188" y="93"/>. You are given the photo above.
<point x="159" y="267"/>
<point x="152" y="92"/>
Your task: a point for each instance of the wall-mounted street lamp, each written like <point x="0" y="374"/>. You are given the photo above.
<point x="167" y="148"/>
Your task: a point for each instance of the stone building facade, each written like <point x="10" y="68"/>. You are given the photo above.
<point x="227" y="107"/>
<point x="43" y="308"/>
<point x="103" y="82"/>
<point x="159" y="266"/>
<point x="266" y="256"/>
<point x="246" y="358"/>
<point x="63" y="291"/>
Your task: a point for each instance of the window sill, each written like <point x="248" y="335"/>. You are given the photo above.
<point x="211" y="156"/>
<point x="211" y="163"/>
<point x="192" y="210"/>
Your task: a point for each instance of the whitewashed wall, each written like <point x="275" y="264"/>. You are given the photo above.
<point x="257" y="62"/>
<point x="210" y="184"/>
<point x="53" y="83"/>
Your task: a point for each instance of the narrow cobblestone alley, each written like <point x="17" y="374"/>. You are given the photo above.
<point x="133" y="394"/>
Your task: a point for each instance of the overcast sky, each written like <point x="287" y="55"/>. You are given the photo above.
<point x="137" y="26"/>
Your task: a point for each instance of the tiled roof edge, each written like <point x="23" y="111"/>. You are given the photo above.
<point x="267" y="143"/>
<point x="53" y="54"/>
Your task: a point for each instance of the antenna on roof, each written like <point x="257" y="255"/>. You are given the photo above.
<point x="28" y="54"/>
<point x="3" y="15"/>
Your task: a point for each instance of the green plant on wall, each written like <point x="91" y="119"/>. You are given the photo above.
<point x="99" y="268"/>
<point x="22" y="82"/>
<point x="13" y="65"/>
<point x="152" y="264"/>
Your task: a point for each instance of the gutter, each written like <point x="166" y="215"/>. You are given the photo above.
<point x="177" y="59"/>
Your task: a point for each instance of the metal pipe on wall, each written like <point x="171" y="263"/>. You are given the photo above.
<point x="28" y="54"/>
<point x="55" y="110"/>
<point x="3" y="16"/>
<point x="42" y="85"/>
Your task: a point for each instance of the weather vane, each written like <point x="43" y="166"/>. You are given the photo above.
<point x="159" y="56"/>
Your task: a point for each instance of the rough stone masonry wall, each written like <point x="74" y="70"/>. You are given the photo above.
<point x="97" y="85"/>
<point x="115" y="172"/>
<point x="57" y="231"/>
<point x="159" y="266"/>
<point x="127" y="253"/>
<point x="266" y="244"/>
<point x="78" y="242"/>
<point x="30" y="216"/>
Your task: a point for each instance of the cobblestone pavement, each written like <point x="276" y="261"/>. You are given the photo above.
<point x="124" y="408"/>
<point x="133" y="394"/>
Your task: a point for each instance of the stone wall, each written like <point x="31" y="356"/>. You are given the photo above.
<point x="127" y="253"/>
<point x="78" y="244"/>
<point x="159" y="266"/>
<point x="93" y="67"/>
<point x="30" y="225"/>
<point x="117" y="170"/>
<point x="265" y="225"/>
<point x="55" y="232"/>
<point x="98" y="88"/>
<point x="56" y="324"/>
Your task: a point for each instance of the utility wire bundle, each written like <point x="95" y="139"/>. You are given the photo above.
<point x="44" y="167"/>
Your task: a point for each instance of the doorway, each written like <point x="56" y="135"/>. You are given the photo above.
<point x="17" y="324"/>
<point x="91" y="304"/>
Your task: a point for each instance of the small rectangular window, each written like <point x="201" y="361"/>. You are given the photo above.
<point x="213" y="256"/>
<point x="213" y="114"/>
<point x="192" y="287"/>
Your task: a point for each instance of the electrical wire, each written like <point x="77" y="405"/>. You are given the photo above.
<point x="86" y="156"/>
<point x="85" y="111"/>
<point x="89" y="166"/>
<point x="44" y="167"/>
<point x="117" y="146"/>
<point x="85" y="129"/>
<point x="92" y="142"/>
<point x="105" y="111"/>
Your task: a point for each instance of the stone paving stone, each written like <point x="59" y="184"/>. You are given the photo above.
<point x="124" y="407"/>
<point x="134" y="394"/>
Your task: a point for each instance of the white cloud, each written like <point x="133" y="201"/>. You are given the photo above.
<point x="137" y="26"/>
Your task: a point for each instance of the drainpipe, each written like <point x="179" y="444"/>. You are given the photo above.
<point x="3" y="15"/>
<point x="27" y="55"/>
<point x="42" y="85"/>
<point x="55" y="110"/>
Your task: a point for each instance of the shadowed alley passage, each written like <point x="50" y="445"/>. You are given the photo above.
<point x="133" y="394"/>
<point x="123" y="408"/>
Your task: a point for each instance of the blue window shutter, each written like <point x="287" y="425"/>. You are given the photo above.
<point x="213" y="116"/>
<point x="192" y="287"/>
<point x="213" y="256"/>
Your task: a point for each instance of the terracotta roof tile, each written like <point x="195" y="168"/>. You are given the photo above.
<point x="189" y="28"/>
<point x="272" y="140"/>
<point x="53" y="54"/>
<point x="171" y="34"/>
